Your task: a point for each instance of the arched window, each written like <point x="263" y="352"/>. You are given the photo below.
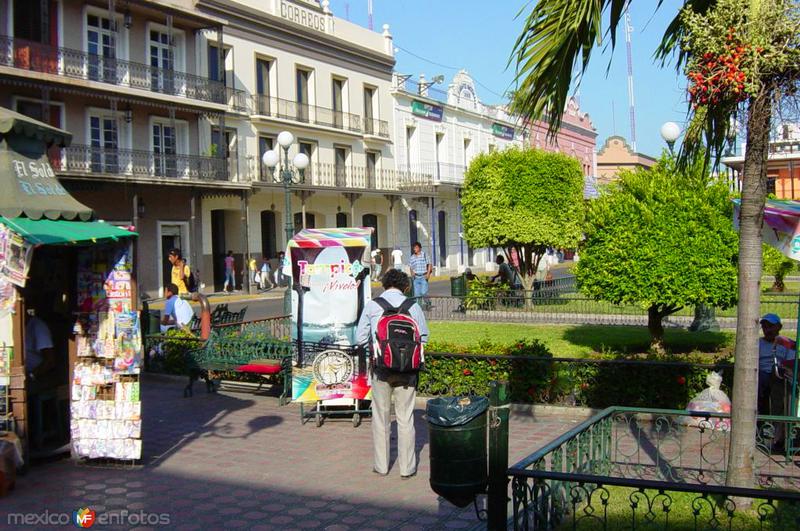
<point x="341" y="220"/>
<point x="298" y="221"/>
<point x="371" y="220"/>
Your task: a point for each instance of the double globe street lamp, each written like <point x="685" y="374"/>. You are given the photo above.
<point x="290" y="173"/>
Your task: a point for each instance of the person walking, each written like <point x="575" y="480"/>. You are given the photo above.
<point x="397" y="259"/>
<point x="421" y="270"/>
<point x="180" y="271"/>
<point x="377" y="264"/>
<point x="230" y="272"/>
<point x="266" y="271"/>
<point x="388" y="385"/>
<point x="279" y="277"/>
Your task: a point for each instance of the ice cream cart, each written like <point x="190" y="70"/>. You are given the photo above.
<point x="329" y="269"/>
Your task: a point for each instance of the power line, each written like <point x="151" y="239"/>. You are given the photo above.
<point x="409" y="52"/>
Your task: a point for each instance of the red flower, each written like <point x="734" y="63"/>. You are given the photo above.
<point x="584" y="386"/>
<point x="467" y="372"/>
<point x="681" y="380"/>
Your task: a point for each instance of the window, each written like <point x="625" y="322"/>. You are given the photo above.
<point x="341" y="220"/>
<point x="214" y="66"/>
<point x="101" y="48"/>
<point x="439" y="154"/>
<point x="442" y="228"/>
<point x="492" y="148"/>
<point x="371" y="220"/>
<point x="161" y="77"/>
<point x="265" y="143"/>
<point x="298" y="221"/>
<point x="372" y="169"/>
<point x="337" y="102"/>
<point x="269" y="237"/>
<point x="103" y="138"/>
<point x="263" y="67"/>
<point x="412" y="226"/>
<point x="466" y="152"/>
<point x="771" y="184"/>
<point x="369" y="105"/>
<point x="340" y="166"/>
<point x="303" y="77"/>
<point x="410" y="154"/>
<point x="164" y="149"/>
<point x="308" y="149"/>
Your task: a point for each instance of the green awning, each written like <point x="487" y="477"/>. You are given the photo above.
<point x="62" y="232"/>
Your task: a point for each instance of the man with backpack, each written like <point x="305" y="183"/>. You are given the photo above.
<point x="181" y="274"/>
<point x="394" y="329"/>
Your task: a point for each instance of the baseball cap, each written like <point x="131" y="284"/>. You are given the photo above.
<point x="771" y="318"/>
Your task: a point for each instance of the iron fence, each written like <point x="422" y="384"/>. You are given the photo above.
<point x="376" y="127"/>
<point x="139" y="163"/>
<point x="304" y="112"/>
<point x="77" y="64"/>
<point x="559" y="306"/>
<point x="633" y="468"/>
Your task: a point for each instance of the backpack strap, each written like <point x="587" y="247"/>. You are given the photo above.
<point x="383" y="303"/>
<point x="406" y="306"/>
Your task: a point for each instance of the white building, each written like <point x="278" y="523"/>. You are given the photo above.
<point x="326" y="81"/>
<point x="438" y="133"/>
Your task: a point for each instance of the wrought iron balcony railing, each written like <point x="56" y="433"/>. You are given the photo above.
<point x="373" y="126"/>
<point x="306" y="113"/>
<point x="93" y="160"/>
<point x="330" y="175"/>
<point x="76" y="64"/>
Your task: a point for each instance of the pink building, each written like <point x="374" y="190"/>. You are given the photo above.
<point x="577" y="138"/>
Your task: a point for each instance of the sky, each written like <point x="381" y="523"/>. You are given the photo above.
<point x="478" y="36"/>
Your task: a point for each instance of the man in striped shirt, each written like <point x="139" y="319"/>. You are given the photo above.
<point x="420" y="273"/>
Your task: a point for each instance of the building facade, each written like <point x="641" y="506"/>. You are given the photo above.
<point x="437" y="133"/>
<point x="617" y="155"/>
<point x="124" y="80"/>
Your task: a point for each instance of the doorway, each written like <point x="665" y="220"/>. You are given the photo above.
<point x="218" y="247"/>
<point x="172" y="235"/>
<point x="269" y="237"/>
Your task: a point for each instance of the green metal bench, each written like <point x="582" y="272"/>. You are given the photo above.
<point x="220" y="316"/>
<point x="265" y="356"/>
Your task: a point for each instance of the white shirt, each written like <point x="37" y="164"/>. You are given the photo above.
<point x="397" y="257"/>
<point x="37" y="338"/>
<point x="182" y="312"/>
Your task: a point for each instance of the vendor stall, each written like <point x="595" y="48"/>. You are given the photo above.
<point x="330" y="279"/>
<point x="67" y="306"/>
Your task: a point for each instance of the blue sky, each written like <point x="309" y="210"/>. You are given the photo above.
<point x="478" y="35"/>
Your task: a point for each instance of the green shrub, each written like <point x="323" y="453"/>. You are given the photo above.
<point x="174" y="348"/>
<point x="483" y="294"/>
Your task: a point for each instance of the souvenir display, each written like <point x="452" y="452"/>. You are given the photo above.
<point x="15" y="256"/>
<point x="106" y="406"/>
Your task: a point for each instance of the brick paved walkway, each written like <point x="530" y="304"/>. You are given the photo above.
<point x="239" y="461"/>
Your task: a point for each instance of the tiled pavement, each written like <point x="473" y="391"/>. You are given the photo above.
<point x="239" y="461"/>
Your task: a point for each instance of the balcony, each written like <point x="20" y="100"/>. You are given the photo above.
<point x="307" y="114"/>
<point x="449" y="173"/>
<point x="354" y="178"/>
<point x="75" y="64"/>
<point x="375" y="127"/>
<point x="92" y="160"/>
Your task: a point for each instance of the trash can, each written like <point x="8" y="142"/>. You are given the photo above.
<point x="458" y="286"/>
<point x="457" y="439"/>
<point x="153" y="321"/>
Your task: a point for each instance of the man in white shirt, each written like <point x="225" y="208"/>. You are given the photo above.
<point x="177" y="312"/>
<point x="39" y="353"/>
<point x="397" y="259"/>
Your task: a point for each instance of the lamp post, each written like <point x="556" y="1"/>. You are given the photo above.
<point x="289" y="174"/>
<point x="704" y="318"/>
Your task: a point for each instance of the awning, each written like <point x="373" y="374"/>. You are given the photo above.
<point x="29" y="184"/>
<point x="62" y="232"/>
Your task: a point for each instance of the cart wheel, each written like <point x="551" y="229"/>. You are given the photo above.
<point x="319" y="420"/>
<point x="356" y="420"/>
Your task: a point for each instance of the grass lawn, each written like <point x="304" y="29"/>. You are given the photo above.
<point x="581" y="340"/>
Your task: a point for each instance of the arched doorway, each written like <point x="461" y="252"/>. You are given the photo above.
<point x="371" y="220"/>
<point x="341" y="220"/>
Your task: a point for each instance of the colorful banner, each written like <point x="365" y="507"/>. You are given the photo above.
<point x="330" y="284"/>
<point x="781" y="225"/>
<point x="503" y="131"/>
<point x="427" y="110"/>
<point x="15" y="256"/>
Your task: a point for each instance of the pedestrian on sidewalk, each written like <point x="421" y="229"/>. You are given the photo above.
<point x="421" y="270"/>
<point x="377" y="264"/>
<point x="388" y="385"/>
<point x="280" y="278"/>
<point x="230" y="272"/>
<point x="266" y="272"/>
<point x="180" y="272"/>
<point x="397" y="259"/>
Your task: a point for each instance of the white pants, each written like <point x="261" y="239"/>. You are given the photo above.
<point x="382" y="394"/>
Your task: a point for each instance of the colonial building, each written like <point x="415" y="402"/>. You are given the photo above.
<point x="783" y="164"/>
<point x="617" y="155"/>
<point x="124" y="79"/>
<point x="438" y="133"/>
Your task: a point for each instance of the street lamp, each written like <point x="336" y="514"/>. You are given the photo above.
<point x="289" y="174"/>
<point x="670" y="132"/>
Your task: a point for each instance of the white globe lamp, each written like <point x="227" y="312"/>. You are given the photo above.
<point x="300" y="161"/>
<point x="270" y="159"/>
<point x="285" y="139"/>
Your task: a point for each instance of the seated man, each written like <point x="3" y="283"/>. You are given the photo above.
<point x="776" y="355"/>
<point x="505" y="274"/>
<point x="177" y="312"/>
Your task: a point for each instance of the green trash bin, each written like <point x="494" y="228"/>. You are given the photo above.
<point x="153" y="321"/>
<point x="458" y="286"/>
<point x="458" y="448"/>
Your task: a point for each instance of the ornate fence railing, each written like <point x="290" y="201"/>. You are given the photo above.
<point x="77" y="64"/>
<point x="376" y="127"/>
<point x="306" y="113"/>
<point x="648" y="468"/>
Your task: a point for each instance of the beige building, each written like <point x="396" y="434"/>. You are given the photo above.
<point x="617" y="155"/>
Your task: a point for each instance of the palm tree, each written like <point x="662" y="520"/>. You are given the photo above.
<point x="557" y="41"/>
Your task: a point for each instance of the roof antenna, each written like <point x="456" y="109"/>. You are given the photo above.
<point x="369" y="14"/>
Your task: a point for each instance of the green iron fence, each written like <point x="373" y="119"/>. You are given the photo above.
<point x="654" y="468"/>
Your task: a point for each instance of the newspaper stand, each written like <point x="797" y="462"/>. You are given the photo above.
<point x="329" y="276"/>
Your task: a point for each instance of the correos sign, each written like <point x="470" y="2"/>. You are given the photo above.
<point x="303" y="16"/>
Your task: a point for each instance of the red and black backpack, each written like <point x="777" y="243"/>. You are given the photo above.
<point x="399" y="341"/>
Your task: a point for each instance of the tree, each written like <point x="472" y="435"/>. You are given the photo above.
<point x="661" y="238"/>
<point x="558" y="37"/>
<point x="777" y="265"/>
<point x="526" y="200"/>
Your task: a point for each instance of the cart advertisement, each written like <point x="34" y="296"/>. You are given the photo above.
<point x="328" y="268"/>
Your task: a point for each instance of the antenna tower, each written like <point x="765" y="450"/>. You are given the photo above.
<point x="369" y="14"/>
<point x="631" y="103"/>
